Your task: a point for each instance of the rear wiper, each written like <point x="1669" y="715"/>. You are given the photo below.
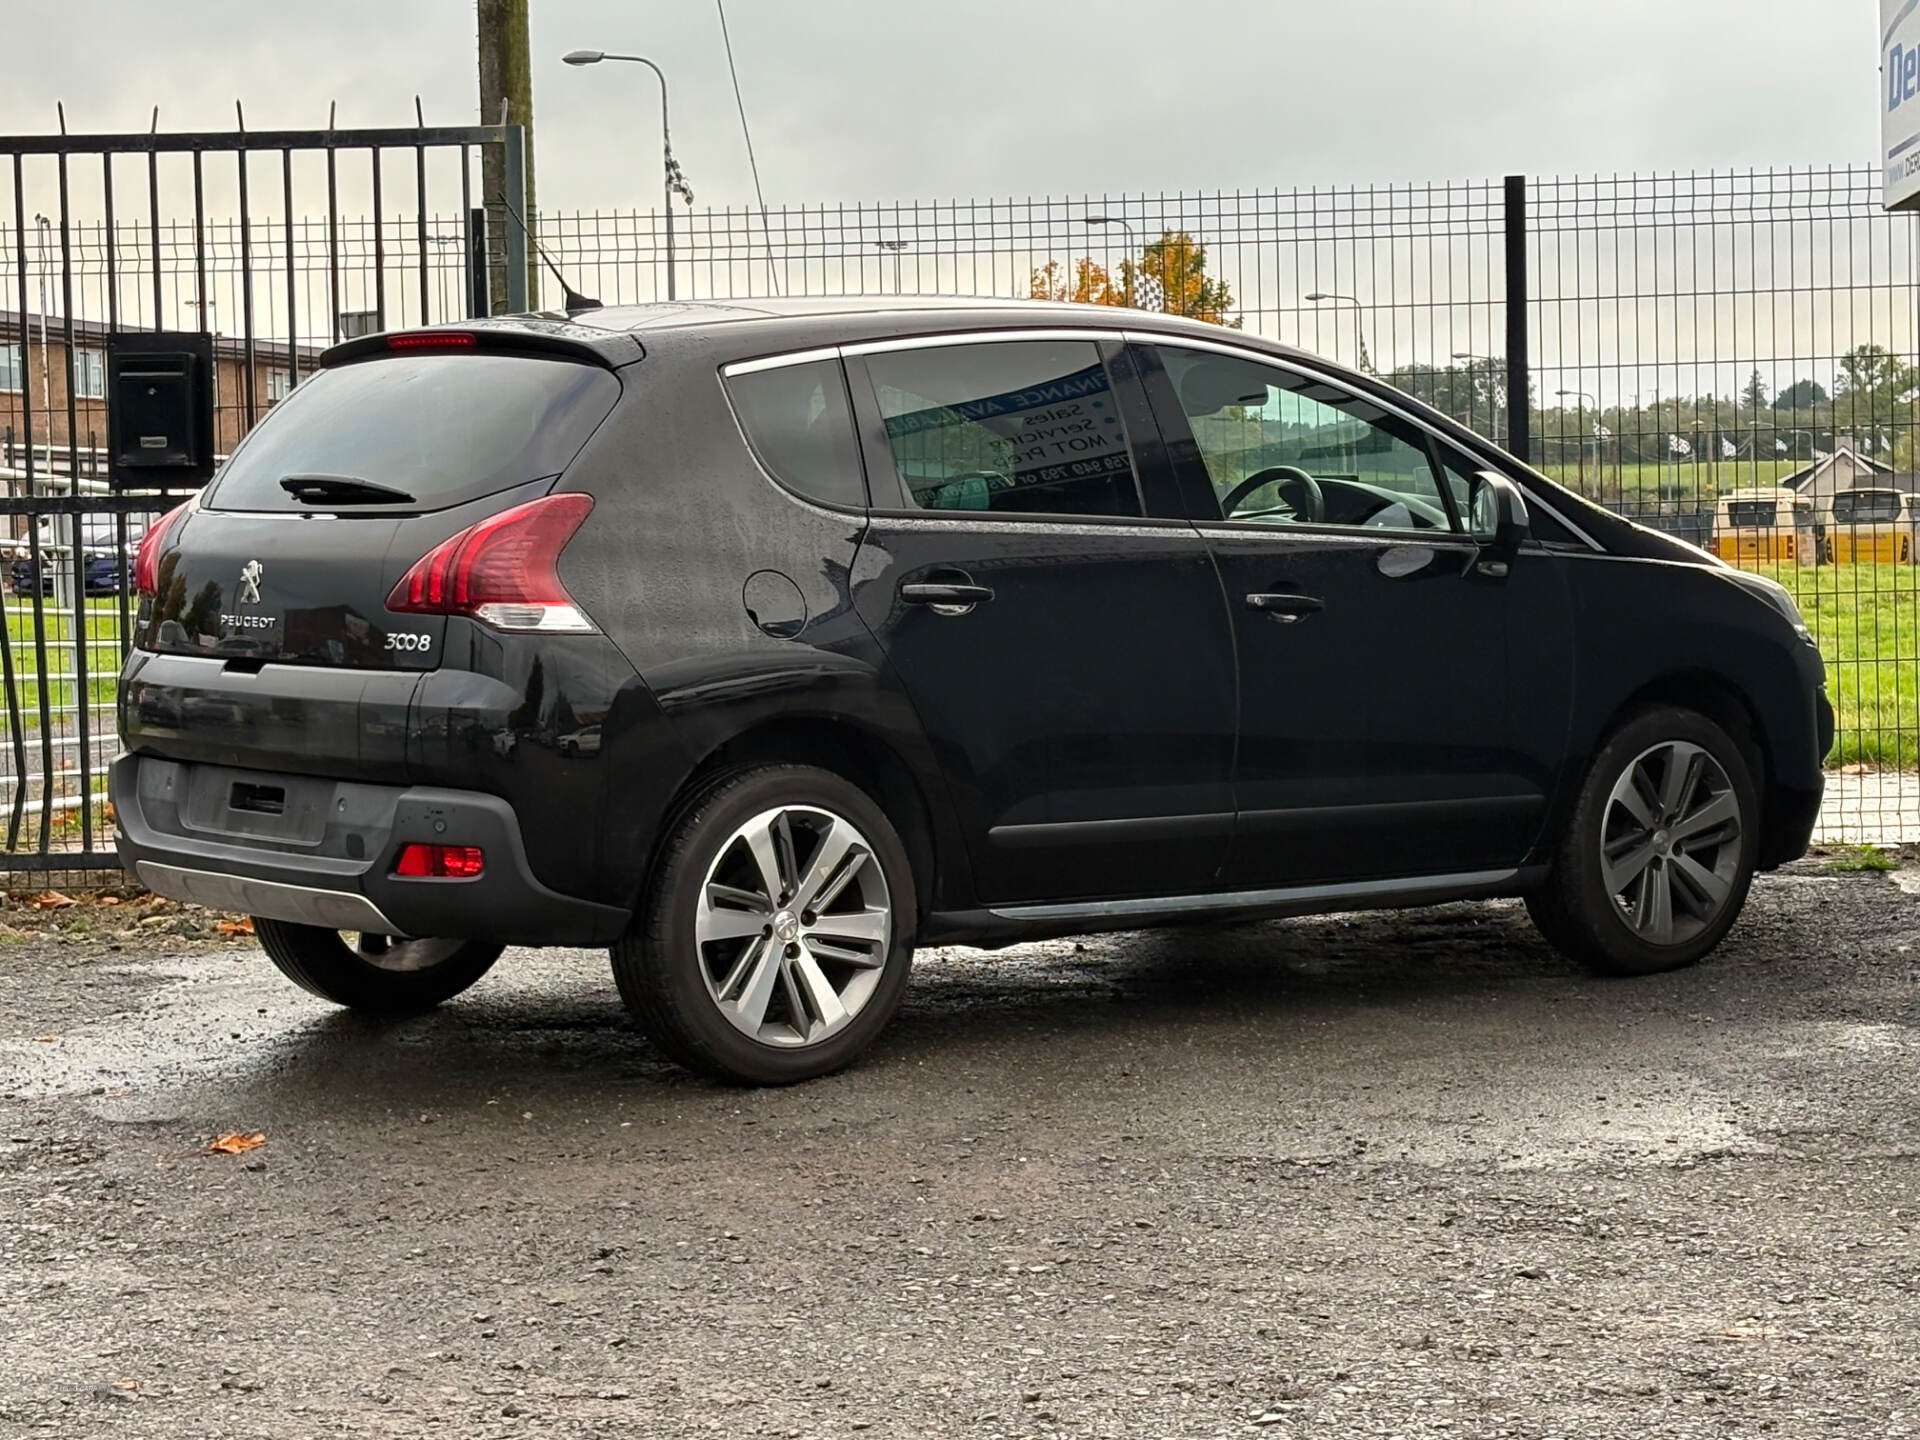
<point x="342" y="490"/>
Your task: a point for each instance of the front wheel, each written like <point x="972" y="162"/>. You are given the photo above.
<point x="379" y="974"/>
<point x="776" y="935"/>
<point x="1655" y="867"/>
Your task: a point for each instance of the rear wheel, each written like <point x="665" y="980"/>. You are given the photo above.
<point x="1655" y="867"/>
<point x="776" y="936"/>
<point x="380" y="974"/>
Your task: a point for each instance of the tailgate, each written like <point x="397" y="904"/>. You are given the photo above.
<point x="269" y="717"/>
<point x="296" y="589"/>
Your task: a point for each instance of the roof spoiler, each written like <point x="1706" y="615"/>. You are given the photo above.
<point x="521" y="335"/>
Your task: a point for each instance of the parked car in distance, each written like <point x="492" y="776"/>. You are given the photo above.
<point x="1872" y="526"/>
<point x="765" y="642"/>
<point x="1764" y="525"/>
<point x="107" y="561"/>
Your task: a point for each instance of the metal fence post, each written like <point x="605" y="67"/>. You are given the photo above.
<point x="1519" y="365"/>
<point x="516" y="219"/>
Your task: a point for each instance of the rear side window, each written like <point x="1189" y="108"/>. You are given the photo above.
<point x="443" y="429"/>
<point x="797" y="419"/>
<point x="1023" y="426"/>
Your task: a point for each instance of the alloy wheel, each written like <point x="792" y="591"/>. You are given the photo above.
<point x="794" y="926"/>
<point x="1670" y="842"/>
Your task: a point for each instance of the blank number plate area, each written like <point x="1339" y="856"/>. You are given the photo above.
<point x="291" y="809"/>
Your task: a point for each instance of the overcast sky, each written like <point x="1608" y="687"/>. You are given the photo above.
<point x="883" y="99"/>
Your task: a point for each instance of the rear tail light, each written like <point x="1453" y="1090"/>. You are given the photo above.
<point x="503" y="571"/>
<point x="146" y="560"/>
<point x="439" y="862"/>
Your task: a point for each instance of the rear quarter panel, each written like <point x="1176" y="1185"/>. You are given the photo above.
<point x="683" y="516"/>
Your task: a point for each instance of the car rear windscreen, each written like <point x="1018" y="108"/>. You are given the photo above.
<point x="1757" y="514"/>
<point x="1866" y="507"/>
<point x="443" y="429"/>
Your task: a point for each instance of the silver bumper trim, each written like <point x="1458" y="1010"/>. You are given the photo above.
<point x="269" y="899"/>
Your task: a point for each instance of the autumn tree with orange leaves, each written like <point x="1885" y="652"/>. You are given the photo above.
<point x="1170" y="276"/>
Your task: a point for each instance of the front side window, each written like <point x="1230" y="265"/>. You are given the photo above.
<point x="1287" y="449"/>
<point x="89" y="375"/>
<point x="13" y="367"/>
<point x="797" y="420"/>
<point x="1017" y="426"/>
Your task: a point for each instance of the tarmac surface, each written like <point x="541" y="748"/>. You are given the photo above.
<point x="1361" y="1175"/>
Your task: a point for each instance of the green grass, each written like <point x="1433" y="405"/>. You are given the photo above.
<point x="1861" y="857"/>
<point x="103" y="654"/>
<point x="1866" y="621"/>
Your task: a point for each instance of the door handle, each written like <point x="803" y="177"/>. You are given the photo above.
<point x="944" y="593"/>
<point x="1287" y="609"/>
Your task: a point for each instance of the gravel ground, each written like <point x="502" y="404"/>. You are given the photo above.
<point x="1365" y="1175"/>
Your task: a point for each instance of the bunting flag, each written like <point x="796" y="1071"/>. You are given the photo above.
<point x="1728" y="449"/>
<point x="1600" y="432"/>
<point x="1779" y="446"/>
<point x="1677" y="446"/>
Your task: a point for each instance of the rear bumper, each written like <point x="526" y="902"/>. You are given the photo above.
<point x="326" y="856"/>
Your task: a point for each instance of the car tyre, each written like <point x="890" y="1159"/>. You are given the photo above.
<point x="377" y="974"/>
<point x="775" y="936"/>
<point x="1656" y="863"/>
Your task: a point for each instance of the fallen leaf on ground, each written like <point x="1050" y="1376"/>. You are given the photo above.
<point x="237" y="1143"/>
<point x="45" y="1039"/>
<point x="109" y="899"/>
<point x="242" y="926"/>
<point x="53" y="900"/>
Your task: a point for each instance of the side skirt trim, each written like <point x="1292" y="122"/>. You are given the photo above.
<point x="1361" y="892"/>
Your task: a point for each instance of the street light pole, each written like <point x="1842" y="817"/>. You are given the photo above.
<point x="896" y="246"/>
<point x="1580" y="420"/>
<point x="1359" y="335"/>
<point x="1493" y="395"/>
<point x="674" y="180"/>
<point x="1133" y="243"/>
<point x="46" y="356"/>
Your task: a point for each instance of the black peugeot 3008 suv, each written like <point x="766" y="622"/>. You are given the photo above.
<point x="764" y="642"/>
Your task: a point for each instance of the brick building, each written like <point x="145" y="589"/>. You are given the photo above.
<point x="36" y="375"/>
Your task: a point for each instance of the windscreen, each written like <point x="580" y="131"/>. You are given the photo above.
<point x="442" y="429"/>
<point x="1756" y="514"/>
<point x="1866" y="506"/>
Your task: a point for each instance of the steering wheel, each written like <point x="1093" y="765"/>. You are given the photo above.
<point x="1310" y="507"/>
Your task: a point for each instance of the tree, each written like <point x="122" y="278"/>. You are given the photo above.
<point x="1801" y="395"/>
<point x="1874" y="399"/>
<point x="1754" y="397"/>
<point x="1091" y="284"/>
<point x="1872" y="370"/>
<point x="1170" y="275"/>
<point x="1173" y="269"/>
<point x="1472" y="393"/>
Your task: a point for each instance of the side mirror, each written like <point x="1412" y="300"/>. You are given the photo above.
<point x="1497" y="520"/>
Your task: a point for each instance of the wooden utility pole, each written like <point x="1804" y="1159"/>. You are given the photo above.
<point x="506" y="90"/>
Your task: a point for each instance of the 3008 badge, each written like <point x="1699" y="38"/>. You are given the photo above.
<point x="408" y="640"/>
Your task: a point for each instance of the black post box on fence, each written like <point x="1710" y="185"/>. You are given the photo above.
<point x="160" y="409"/>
